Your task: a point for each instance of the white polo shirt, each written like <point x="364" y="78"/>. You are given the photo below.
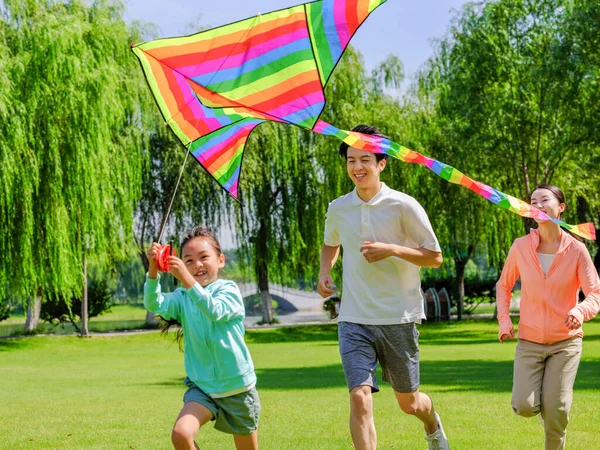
<point x="385" y="292"/>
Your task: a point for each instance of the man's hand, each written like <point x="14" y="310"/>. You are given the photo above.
<point x="325" y="288"/>
<point x="376" y="251"/>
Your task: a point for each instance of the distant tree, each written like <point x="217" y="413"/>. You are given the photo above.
<point x="57" y="310"/>
<point x="73" y="108"/>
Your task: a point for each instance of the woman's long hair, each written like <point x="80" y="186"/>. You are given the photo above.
<point x="196" y="232"/>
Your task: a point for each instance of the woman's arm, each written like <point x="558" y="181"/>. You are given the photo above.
<point x="508" y="278"/>
<point x="590" y="283"/>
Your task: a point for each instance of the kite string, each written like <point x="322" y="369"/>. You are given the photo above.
<point x="162" y="230"/>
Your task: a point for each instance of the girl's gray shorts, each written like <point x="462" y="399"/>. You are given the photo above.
<point x="395" y="347"/>
<point x="237" y="414"/>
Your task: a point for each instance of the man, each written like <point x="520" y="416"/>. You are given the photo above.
<point x="386" y="237"/>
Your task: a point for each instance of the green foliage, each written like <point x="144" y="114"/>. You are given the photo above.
<point x="506" y="100"/>
<point x="4" y="310"/>
<point x="58" y="310"/>
<point x="290" y="176"/>
<point x="74" y="118"/>
<point x="510" y="83"/>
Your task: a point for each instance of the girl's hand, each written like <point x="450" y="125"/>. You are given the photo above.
<point x="178" y="270"/>
<point x="152" y="254"/>
<point x="572" y="322"/>
<point x="507" y="334"/>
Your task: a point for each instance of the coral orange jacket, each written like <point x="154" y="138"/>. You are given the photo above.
<point x="547" y="300"/>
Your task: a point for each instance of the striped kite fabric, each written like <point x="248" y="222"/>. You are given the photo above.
<point x="214" y="87"/>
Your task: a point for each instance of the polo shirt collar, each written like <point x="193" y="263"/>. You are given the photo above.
<point x="383" y="193"/>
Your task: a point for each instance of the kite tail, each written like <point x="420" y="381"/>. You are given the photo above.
<point x="376" y="144"/>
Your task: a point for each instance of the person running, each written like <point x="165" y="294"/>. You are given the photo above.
<point x="552" y="266"/>
<point x="386" y="238"/>
<point x="220" y="373"/>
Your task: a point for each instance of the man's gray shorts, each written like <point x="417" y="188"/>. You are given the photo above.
<point x="396" y="347"/>
<point x="237" y="414"/>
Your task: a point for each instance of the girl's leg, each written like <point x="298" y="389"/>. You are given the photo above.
<point x="191" y="418"/>
<point x="246" y="442"/>
<point x="530" y="360"/>
<point x="557" y="390"/>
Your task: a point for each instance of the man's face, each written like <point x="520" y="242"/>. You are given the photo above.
<point x="363" y="168"/>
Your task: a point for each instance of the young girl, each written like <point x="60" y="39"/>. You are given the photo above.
<point x="220" y="373"/>
<point x="552" y="266"/>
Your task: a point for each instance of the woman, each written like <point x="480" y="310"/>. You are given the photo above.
<point x="553" y="266"/>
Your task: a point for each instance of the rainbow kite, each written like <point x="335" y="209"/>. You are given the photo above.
<point x="214" y="87"/>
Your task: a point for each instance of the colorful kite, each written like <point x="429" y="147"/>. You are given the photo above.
<point x="214" y="87"/>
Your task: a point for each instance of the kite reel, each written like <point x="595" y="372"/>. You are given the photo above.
<point x="162" y="262"/>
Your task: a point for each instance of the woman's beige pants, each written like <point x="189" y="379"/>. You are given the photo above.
<point x="543" y="382"/>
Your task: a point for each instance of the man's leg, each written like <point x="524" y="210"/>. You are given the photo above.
<point x="398" y="351"/>
<point x="362" y="425"/>
<point x="359" y="360"/>
<point x="419" y="405"/>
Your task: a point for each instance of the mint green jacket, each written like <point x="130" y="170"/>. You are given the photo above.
<point x="216" y="357"/>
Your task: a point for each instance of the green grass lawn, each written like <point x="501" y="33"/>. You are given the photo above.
<point x="125" y="392"/>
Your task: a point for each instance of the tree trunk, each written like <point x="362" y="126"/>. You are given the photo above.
<point x="459" y="286"/>
<point x="33" y="311"/>
<point x="262" y="272"/>
<point x="460" y="262"/>
<point x="151" y="319"/>
<point x="84" y="303"/>
<point x="263" y="288"/>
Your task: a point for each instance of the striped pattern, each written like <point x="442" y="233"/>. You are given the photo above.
<point x="332" y="23"/>
<point x="215" y="86"/>
<point x="376" y="144"/>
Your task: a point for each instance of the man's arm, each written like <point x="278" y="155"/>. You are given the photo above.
<point x="376" y="251"/>
<point x="329" y="256"/>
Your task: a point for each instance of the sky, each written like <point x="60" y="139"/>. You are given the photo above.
<point x="404" y="28"/>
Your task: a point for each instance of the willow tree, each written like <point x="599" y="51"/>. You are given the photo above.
<point x="511" y="76"/>
<point x="505" y="94"/>
<point x="71" y="156"/>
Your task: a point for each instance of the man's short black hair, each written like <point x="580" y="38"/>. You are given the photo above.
<point x="364" y="129"/>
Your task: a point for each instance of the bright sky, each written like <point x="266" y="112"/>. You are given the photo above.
<point x="404" y="28"/>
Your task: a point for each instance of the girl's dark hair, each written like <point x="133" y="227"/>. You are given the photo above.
<point x="196" y="232"/>
<point x="203" y="232"/>
<point x="364" y="129"/>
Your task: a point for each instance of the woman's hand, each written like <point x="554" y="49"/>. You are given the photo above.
<point x="507" y="333"/>
<point x="572" y="322"/>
